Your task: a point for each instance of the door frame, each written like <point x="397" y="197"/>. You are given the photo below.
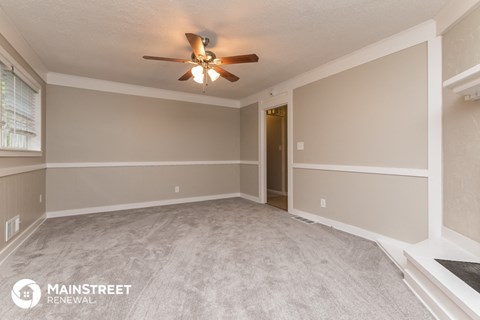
<point x="278" y="100"/>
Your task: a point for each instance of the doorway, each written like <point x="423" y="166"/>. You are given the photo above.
<point x="277" y="156"/>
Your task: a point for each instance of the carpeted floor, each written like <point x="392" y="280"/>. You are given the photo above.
<point x="226" y="259"/>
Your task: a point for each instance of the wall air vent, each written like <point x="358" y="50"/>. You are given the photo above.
<point x="12" y="227"/>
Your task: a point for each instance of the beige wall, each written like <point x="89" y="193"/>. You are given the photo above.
<point x="461" y="133"/>
<point x="249" y="133"/>
<point x="92" y="126"/>
<point x="249" y="179"/>
<point x="20" y="193"/>
<point x="249" y="149"/>
<point x="388" y="205"/>
<point x="78" y="188"/>
<point x="372" y="115"/>
<point x="461" y="45"/>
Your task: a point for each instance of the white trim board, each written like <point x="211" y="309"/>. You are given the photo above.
<point x="403" y="40"/>
<point x="254" y="163"/>
<point x="66" y="80"/>
<point x="392" y="247"/>
<point x="277" y="100"/>
<point x="21" y="169"/>
<point x="137" y="205"/>
<point x="17" y="242"/>
<point x="435" y="153"/>
<point x="250" y="197"/>
<point x="423" y="173"/>
<point x="138" y="164"/>
<point x="5" y="153"/>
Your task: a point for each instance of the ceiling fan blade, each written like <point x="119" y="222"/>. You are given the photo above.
<point x="166" y="59"/>
<point x="186" y="76"/>
<point x="246" y="58"/>
<point x="197" y="44"/>
<point x="225" y="74"/>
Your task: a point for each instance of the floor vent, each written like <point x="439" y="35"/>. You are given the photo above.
<point x="12" y="227"/>
<point x="307" y="221"/>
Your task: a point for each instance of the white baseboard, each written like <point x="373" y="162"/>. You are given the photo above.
<point x="392" y="247"/>
<point x="395" y="250"/>
<point x="12" y="246"/>
<point x="137" y="205"/>
<point x="250" y="197"/>
<point x="338" y="225"/>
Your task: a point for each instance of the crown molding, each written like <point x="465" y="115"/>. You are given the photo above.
<point x="16" y="40"/>
<point x="66" y="80"/>
<point x="402" y="40"/>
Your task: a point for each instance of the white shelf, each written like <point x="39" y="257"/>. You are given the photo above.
<point x="466" y="83"/>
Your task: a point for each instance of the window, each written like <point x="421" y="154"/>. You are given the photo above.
<point x="19" y="111"/>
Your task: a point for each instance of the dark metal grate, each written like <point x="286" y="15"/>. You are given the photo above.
<point x="301" y="219"/>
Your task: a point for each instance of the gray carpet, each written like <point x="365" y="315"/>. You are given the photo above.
<point x="226" y="259"/>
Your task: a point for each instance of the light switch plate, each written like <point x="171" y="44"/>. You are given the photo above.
<point x="300" y="145"/>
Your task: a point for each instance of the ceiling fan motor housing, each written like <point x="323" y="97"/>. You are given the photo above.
<point x="210" y="57"/>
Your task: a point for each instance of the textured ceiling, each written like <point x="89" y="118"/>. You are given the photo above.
<point x="106" y="39"/>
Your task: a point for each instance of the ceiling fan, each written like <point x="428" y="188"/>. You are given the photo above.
<point x="207" y="65"/>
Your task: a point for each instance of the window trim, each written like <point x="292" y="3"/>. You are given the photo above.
<point x="25" y="76"/>
<point x="4" y="153"/>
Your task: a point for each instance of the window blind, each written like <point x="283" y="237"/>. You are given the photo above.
<point x="17" y="113"/>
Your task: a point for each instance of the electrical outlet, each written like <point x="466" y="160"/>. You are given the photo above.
<point x="40" y="198"/>
<point x="323" y="203"/>
<point x="177" y="189"/>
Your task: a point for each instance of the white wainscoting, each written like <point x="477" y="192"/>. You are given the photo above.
<point x="138" y="164"/>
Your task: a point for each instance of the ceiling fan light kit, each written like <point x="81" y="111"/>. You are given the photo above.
<point x="206" y="62"/>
